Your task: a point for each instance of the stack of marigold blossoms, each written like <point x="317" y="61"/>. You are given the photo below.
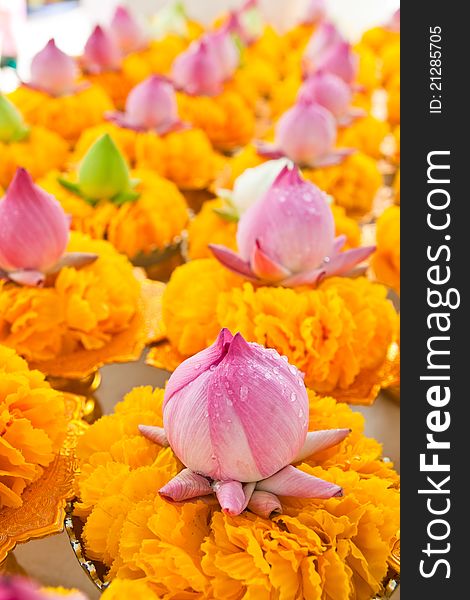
<point x="233" y="516"/>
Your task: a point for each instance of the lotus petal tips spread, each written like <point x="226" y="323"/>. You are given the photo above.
<point x="236" y="415"/>
<point x="12" y="126"/>
<point x="127" y="31"/>
<point x="287" y="237"/>
<point x="53" y="71"/>
<point x="306" y="133"/>
<point x="34" y="232"/>
<point x="198" y="71"/>
<point x="103" y="173"/>
<point x="150" y="106"/>
<point x="340" y="60"/>
<point x="101" y="52"/>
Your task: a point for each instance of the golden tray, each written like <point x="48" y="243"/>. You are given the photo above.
<point x="43" y="509"/>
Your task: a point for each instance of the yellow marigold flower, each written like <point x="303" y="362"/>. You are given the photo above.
<point x="69" y="115"/>
<point x="378" y="38"/>
<point x="41" y="151"/>
<point x="32" y="426"/>
<point x="185" y="157"/>
<point x="368" y="72"/>
<point x="353" y="183"/>
<point x="334" y="333"/>
<point x="390" y="63"/>
<point x="396" y="187"/>
<point x="54" y="592"/>
<point x="207" y="227"/>
<point x="151" y="222"/>
<point x="335" y="548"/>
<point x="114" y="83"/>
<point x="255" y="81"/>
<point x="190" y="303"/>
<point x="396" y="136"/>
<point x="386" y="260"/>
<point x="82" y="309"/>
<point x="241" y="161"/>
<point x="365" y="135"/>
<point x="285" y="93"/>
<point x="227" y="119"/>
<point x="393" y="100"/>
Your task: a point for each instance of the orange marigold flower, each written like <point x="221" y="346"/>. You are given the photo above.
<point x="378" y="38"/>
<point x="368" y="72"/>
<point x="227" y="119"/>
<point x="151" y="222"/>
<point x="315" y="548"/>
<point x="82" y="309"/>
<point x="114" y="83"/>
<point x="69" y="115"/>
<point x="365" y="135"/>
<point x="396" y="187"/>
<point x="32" y="426"/>
<point x="40" y="152"/>
<point x="393" y="100"/>
<point x="390" y="63"/>
<point x="386" y="260"/>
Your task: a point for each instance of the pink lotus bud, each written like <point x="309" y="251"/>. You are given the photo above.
<point x="236" y="415"/>
<point x="331" y="92"/>
<point x="34" y="229"/>
<point x="20" y="588"/>
<point x="314" y="12"/>
<point x="151" y="105"/>
<point x="306" y="134"/>
<point x="224" y="48"/>
<point x="101" y="52"/>
<point x="394" y="23"/>
<point x="287" y="237"/>
<point x="341" y="61"/>
<point x="53" y="71"/>
<point x="127" y="31"/>
<point x="197" y="71"/>
<point x="325" y="37"/>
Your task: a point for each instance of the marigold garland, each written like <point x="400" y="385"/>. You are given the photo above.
<point x="227" y="118"/>
<point x="114" y="83"/>
<point x="152" y="222"/>
<point x="208" y="227"/>
<point x="386" y="260"/>
<point x="83" y="309"/>
<point x="379" y="38"/>
<point x="364" y="135"/>
<point x="335" y="334"/>
<point x="338" y="547"/>
<point x="32" y="426"/>
<point x="41" y="151"/>
<point x="69" y="115"/>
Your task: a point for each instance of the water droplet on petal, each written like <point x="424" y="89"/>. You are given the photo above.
<point x="293" y="369"/>
<point x="293" y="397"/>
<point x="267" y="375"/>
<point x="213" y="367"/>
<point x="206" y="414"/>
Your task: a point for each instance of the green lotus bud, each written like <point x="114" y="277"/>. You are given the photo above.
<point x="12" y="126"/>
<point x="104" y="174"/>
<point x="171" y="19"/>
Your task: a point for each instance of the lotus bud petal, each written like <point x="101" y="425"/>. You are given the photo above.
<point x="154" y="434"/>
<point x="247" y="23"/>
<point x="127" y="31"/>
<point x="394" y="23"/>
<point x="293" y="482"/>
<point x="306" y="132"/>
<point x="103" y="173"/>
<point x="327" y="90"/>
<point x="264" y="504"/>
<point x="313" y="12"/>
<point x="101" y="52"/>
<point x="231" y="496"/>
<point x="317" y="441"/>
<point x="216" y="421"/>
<point x="341" y="61"/>
<point x="53" y="71"/>
<point x="186" y="485"/>
<point x="224" y="48"/>
<point x="255" y="182"/>
<point x="34" y="229"/>
<point x="325" y="37"/>
<point x="197" y="71"/>
<point x="12" y="126"/>
<point x="151" y="105"/>
<point x="292" y="224"/>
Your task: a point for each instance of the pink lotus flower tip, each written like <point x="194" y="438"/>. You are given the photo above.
<point x="287" y="237"/>
<point x="127" y="32"/>
<point x="340" y="60"/>
<point x="198" y="70"/>
<point x="101" y="52"/>
<point x="53" y="71"/>
<point x="325" y="37"/>
<point x="236" y="415"/>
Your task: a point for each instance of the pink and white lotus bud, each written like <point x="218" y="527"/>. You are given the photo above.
<point x="127" y="32"/>
<point x="236" y="415"/>
<point x="101" y="52"/>
<point x="224" y="48"/>
<point x="394" y="23"/>
<point x="306" y="134"/>
<point x="325" y="37"/>
<point x="197" y="71"/>
<point x="314" y="12"/>
<point x="53" y="71"/>
<point x="34" y="229"/>
<point x="331" y="92"/>
<point x="246" y="23"/>
<point x="150" y="106"/>
<point x="340" y="60"/>
<point x="287" y="237"/>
